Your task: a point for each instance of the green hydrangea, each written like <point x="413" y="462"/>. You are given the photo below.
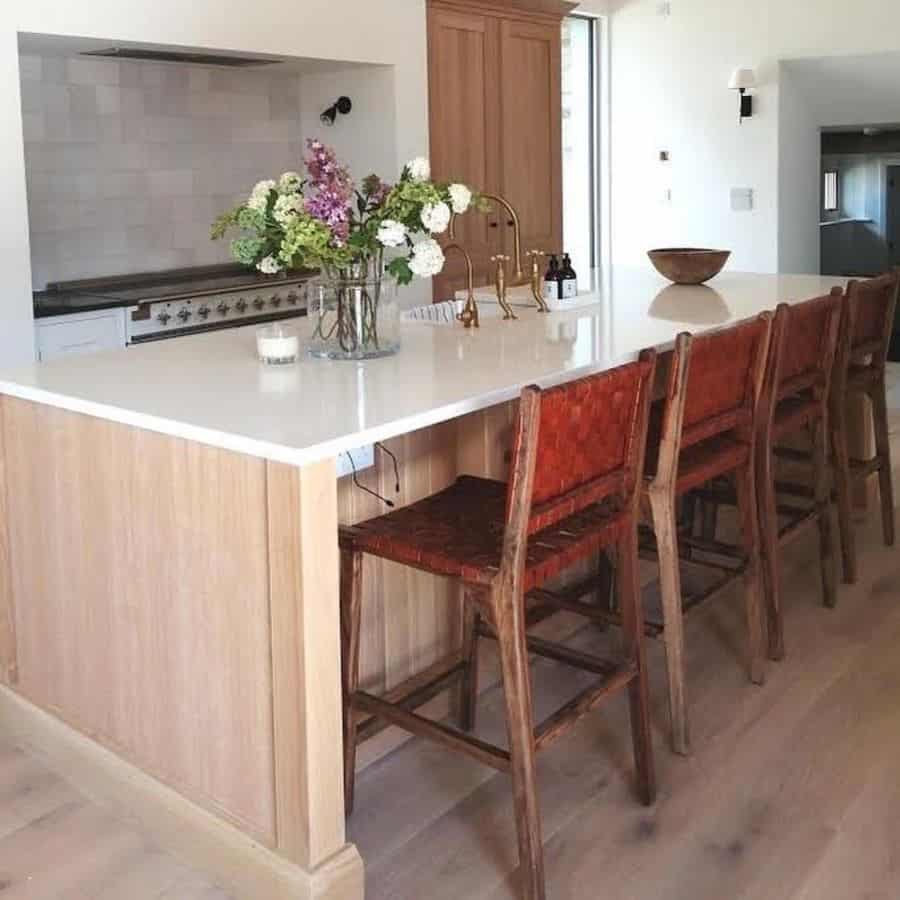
<point x="307" y="242"/>
<point x="251" y="219"/>
<point x="248" y="250"/>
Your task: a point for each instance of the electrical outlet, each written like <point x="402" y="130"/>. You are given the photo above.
<point x="664" y="9"/>
<point x="363" y="458"/>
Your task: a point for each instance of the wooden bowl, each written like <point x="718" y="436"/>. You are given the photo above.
<point x="688" y="265"/>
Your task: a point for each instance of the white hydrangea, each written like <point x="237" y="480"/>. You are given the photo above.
<point x="460" y="198"/>
<point x="289" y="183"/>
<point x="427" y="259"/>
<point x="268" y="265"/>
<point x="391" y="233"/>
<point x="286" y="208"/>
<point x="436" y="217"/>
<point x="419" y="168"/>
<point x="259" y="196"/>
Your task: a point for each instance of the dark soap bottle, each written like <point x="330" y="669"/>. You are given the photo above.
<point x="551" y="280"/>
<point x="568" y="279"/>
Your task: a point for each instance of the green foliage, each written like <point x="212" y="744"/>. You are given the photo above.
<point x="400" y="269"/>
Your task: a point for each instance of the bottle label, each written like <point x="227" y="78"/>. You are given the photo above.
<point x="551" y="290"/>
<point x="569" y="289"/>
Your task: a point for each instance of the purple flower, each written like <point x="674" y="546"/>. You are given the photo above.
<point x="332" y="190"/>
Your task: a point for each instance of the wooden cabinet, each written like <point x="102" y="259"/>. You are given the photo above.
<point x="495" y="119"/>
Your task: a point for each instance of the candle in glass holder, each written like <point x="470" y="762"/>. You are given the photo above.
<point x="277" y="345"/>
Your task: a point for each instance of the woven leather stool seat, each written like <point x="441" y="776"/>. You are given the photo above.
<point x="703" y="462"/>
<point x="458" y="532"/>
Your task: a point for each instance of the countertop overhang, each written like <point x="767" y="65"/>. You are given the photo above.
<point x="210" y="388"/>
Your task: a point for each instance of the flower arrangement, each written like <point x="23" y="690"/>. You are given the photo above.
<point x="324" y="221"/>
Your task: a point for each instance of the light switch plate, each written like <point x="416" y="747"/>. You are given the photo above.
<point x="742" y="199"/>
<point x="363" y="458"/>
<point x="664" y="9"/>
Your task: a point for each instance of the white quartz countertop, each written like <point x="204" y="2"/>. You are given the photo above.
<point x="211" y="388"/>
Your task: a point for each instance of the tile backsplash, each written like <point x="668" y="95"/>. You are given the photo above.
<point x="128" y="163"/>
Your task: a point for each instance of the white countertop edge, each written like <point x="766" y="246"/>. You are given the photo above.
<point x="290" y="455"/>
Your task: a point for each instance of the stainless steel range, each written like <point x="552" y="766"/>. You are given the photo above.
<point x="185" y="301"/>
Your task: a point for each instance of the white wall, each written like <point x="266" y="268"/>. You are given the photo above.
<point x="669" y="91"/>
<point x="799" y="198"/>
<point x="391" y="32"/>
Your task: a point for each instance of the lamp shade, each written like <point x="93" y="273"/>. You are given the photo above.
<point x="742" y="79"/>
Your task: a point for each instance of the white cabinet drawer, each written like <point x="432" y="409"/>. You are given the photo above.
<point x="69" y="335"/>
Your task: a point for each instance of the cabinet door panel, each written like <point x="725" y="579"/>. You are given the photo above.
<point x="463" y="75"/>
<point x="531" y="131"/>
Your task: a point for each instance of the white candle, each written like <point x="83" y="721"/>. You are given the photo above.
<point x="277" y="345"/>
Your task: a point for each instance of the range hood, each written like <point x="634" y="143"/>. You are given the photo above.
<point x="182" y="56"/>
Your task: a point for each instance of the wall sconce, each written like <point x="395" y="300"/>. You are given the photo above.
<point x="342" y="105"/>
<point x="742" y="80"/>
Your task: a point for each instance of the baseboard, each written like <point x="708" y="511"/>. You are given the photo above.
<point x="233" y="860"/>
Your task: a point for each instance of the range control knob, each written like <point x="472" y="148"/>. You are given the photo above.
<point x="184" y="314"/>
<point x="259" y="303"/>
<point x="163" y="318"/>
<point x="275" y="301"/>
<point x="241" y="305"/>
<point x="222" y="308"/>
<point x="203" y="312"/>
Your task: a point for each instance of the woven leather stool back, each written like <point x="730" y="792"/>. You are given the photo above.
<point x="870" y="316"/>
<point x="810" y="341"/>
<point x="590" y="441"/>
<point x="724" y="376"/>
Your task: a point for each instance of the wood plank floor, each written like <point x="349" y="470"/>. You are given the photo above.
<point x="792" y="793"/>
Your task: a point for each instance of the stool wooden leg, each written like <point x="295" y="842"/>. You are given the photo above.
<point x="844" y="488"/>
<point x="822" y="488"/>
<point x="883" y="449"/>
<point x="511" y="641"/>
<point x="769" y="551"/>
<point x="631" y="608"/>
<point x="468" y="686"/>
<point x="664" y="526"/>
<point x="351" y="610"/>
<point x="745" y="482"/>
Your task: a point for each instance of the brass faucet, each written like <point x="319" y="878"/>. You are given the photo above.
<point x="537" y="280"/>
<point x="469" y="314"/>
<point x="501" y="261"/>
<point x="519" y="276"/>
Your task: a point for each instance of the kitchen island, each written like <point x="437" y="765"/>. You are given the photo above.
<point x="169" y="622"/>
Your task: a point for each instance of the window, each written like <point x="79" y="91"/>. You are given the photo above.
<point x="579" y="129"/>
<point x="830" y="192"/>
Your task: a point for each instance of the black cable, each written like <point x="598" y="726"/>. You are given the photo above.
<point x="362" y="487"/>
<point x="394" y="460"/>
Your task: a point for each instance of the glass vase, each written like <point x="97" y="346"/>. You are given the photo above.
<point x="355" y="313"/>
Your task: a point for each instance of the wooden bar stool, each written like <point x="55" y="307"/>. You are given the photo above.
<point x="706" y="431"/>
<point x="797" y="396"/>
<point x="573" y="490"/>
<point x="863" y="346"/>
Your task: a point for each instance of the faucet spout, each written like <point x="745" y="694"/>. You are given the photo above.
<point x="519" y="276"/>
<point x="469" y="314"/>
